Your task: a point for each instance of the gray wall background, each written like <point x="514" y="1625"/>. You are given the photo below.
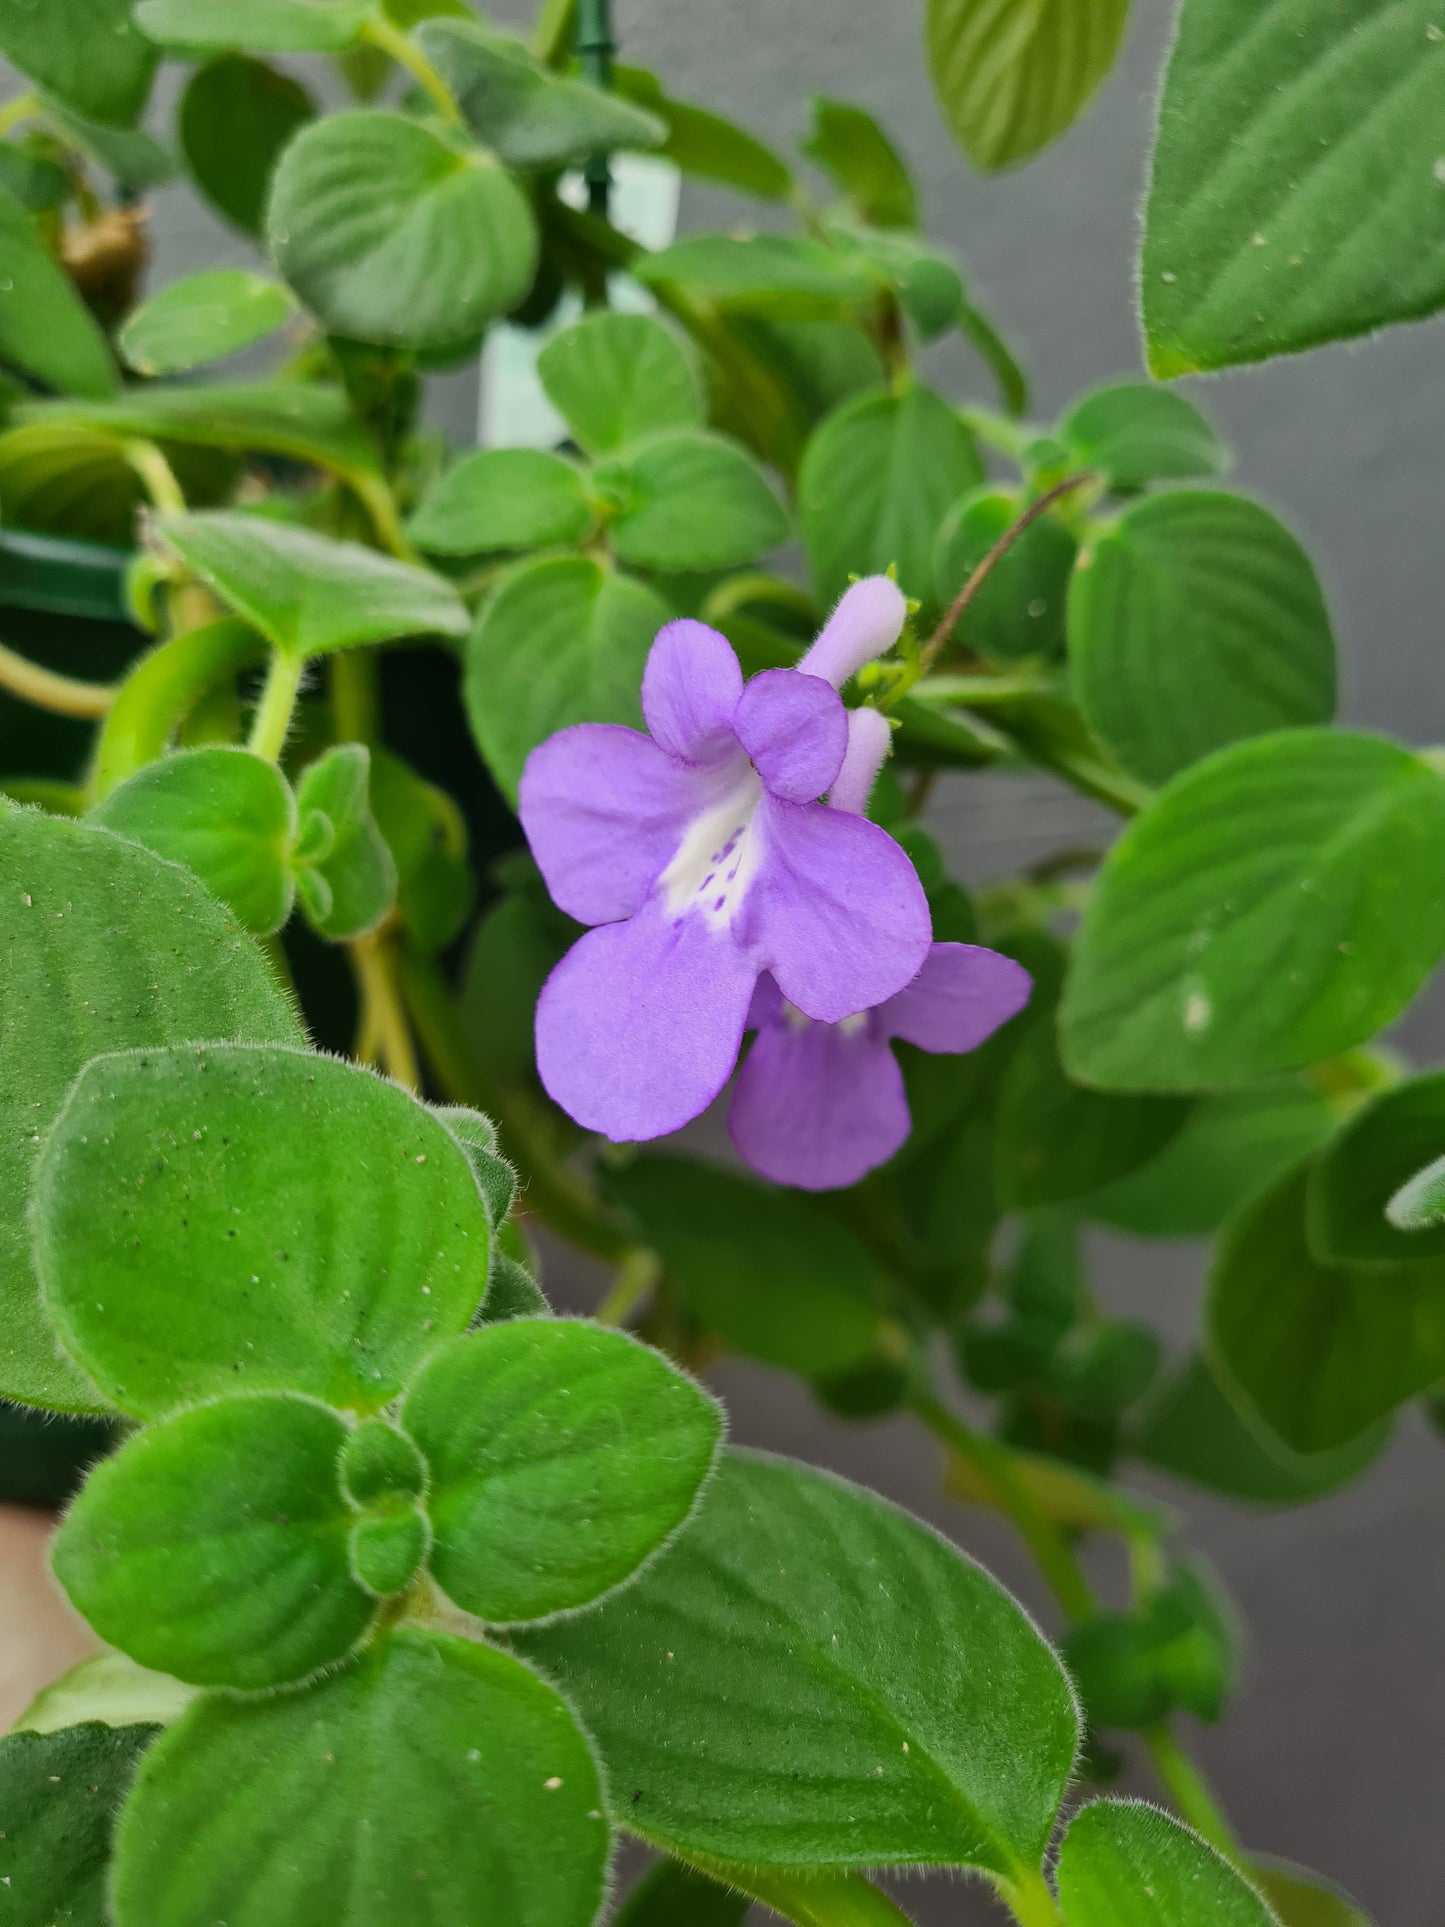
<point x="1335" y="1752"/>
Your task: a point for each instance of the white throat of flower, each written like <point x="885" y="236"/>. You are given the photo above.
<point x="717" y="858"/>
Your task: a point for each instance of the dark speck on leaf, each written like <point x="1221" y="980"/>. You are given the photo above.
<point x="637" y="1796"/>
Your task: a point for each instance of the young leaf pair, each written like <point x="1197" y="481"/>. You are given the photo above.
<point x="232" y="819"/>
<point x="260" y="1252"/>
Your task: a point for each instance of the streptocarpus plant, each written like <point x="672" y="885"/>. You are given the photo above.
<point x="415" y="1596"/>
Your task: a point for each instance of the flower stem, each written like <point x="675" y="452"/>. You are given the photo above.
<point x="391" y="40"/>
<point x="61" y="695"/>
<point x="383" y="1031"/>
<point x="156" y="476"/>
<point x="1190" y="1791"/>
<point x="638" y="1273"/>
<point x="1048" y="1544"/>
<point x="272" y="721"/>
<point x="1013" y="383"/>
<point x="954" y="614"/>
<point x="23" y="107"/>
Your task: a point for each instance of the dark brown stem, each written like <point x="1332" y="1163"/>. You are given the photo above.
<point x="990" y="562"/>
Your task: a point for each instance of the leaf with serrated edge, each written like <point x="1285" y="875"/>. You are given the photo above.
<point x="809" y="1678"/>
<point x="1295" y="196"/>
<point x="213" y="1546"/>
<point x="307" y="593"/>
<point x="224" y="814"/>
<point x="1276" y="904"/>
<point x="431" y="1782"/>
<point x="102" y="945"/>
<point x="1126" y="1864"/>
<point x="562" y="1455"/>
<point x="335" y="1224"/>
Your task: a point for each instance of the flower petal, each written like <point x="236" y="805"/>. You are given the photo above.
<point x="690" y="689"/>
<point x="767" y="1003"/>
<point x="604" y="811"/>
<point x="816" y="1107"/>
<point x="835" y="910"/>
<point x="795" y="729"/>
<point x="868" y="619"/>
<point x="638" y="1027"/>
<point x="960" y="997"/>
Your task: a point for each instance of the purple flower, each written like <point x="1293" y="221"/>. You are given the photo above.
<point x="818" y="1105"/>
<point x="702" y="855"/>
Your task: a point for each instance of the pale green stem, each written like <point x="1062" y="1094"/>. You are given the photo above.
<point x="23" y="107"/>
<point x="1051" y="1550"/>
<point x="272" y="720"/>
<point x="978" y="692"/>
<point x="636" y="1276"/>
<point x="62" y="695"/>
<point x="383" y="1014"/>
<point x="391" y="40"/>
<point x="1030" y="1901"/>
<point x="552" y="35"/>
<point x="1190" y="1791"/>
<point x="156" y="475"/>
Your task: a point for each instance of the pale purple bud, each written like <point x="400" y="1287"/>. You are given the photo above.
<point x="868" y="619"/>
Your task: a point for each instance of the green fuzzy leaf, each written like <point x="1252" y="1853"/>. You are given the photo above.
<point x="799" y="1636"/>
<point x="60" y="1794"/>
<point x="561" y="641"/>
<point x="850" y="146"/>
<point x="1227" y="1149"/>
<point x="1192" y="1431"/>
<point x="1135" y="433"/>
<point x="336" y="1224"/>
<point x="214" y="1545"/>
<point x="388" y="1552"/>
<point x="306" y="593"/>
<point x="1019" y="608"/>
<point x="88" y="53"/>
<point x="1058" y="1140"/>
<point x="1194" y="620"/>
<point x="768" y="274"/>
<point x="877" y="478"/>
<point x="222" y="813"/>
<point x="1353" y="1213"/>
<point x="562" y="1455"/>
<point x="503" y="498"/>
<point x="1273" y="906"/>
<point x="101" y="945"/>
<point x="1294" y="198"/>
<point x="771" y="1272"/>
<point x="294" y="419"/>
<point x="358" y="870"/>
<point x="1011" y="79"/>
<point x="691" y="501"/>
<point x="669" y="1894"/>
<point x="431" y="1782"/>
<point x="526" y="114"/>
<point x="427" y="837"/>
<point x="110" y="1688"/>
<point x="235" y="117"/>
<point x="259" y="26"/>
<point x="616" y="377"/>
<point x="62" y="480"/>
<point x="1125" y="1864"/>
<point x="389" y="233"/>
<point x="204" y="318"/>
<point x="1318" y="1354"/>
<point x="704" y="144"/>
<point x="46" y="330"/>
<point x="1302" y="1899"/>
